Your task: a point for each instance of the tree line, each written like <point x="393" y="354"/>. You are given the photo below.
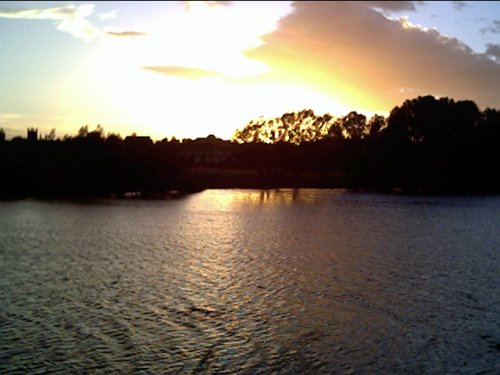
<point x="306" y="126"/>
<point x="426" y="144"/>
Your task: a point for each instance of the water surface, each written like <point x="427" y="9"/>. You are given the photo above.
<point x="249" y="282"/>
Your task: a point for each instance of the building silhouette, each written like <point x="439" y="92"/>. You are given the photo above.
<point x="32" y="134"/>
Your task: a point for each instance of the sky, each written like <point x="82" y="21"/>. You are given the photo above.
<point x="190" y="69"/>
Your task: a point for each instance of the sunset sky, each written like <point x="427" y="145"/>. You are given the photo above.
<point x="189" y="69"/>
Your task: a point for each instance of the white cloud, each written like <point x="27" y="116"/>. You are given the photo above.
<point x="108" y="15"/>
<point x="190" y="4"/>
<point x="72" y="19"/>
<point x="391" y="6"/>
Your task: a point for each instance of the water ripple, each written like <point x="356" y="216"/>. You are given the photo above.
<point x="251" y="282"/>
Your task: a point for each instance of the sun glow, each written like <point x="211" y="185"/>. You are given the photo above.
<point x="138" y="81"/>
<point x="190" y="69"/>
<point x="208" y="37"/>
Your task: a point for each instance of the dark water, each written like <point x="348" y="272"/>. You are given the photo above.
<point x="251" y="282"/>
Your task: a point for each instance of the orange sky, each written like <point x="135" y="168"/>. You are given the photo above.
<point x="193" y="69"/>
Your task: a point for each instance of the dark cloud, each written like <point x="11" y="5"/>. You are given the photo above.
<point x="183" y="71"/>
<point x="478" y="19"/>
<point x="125" y="34"/>
<point x="493" y="50"/>
<point x="494" y="28"/>
<point x="343" y="47"/>
<point x="459" y="5"/>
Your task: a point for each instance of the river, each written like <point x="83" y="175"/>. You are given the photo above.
<point x="251" y="282"/>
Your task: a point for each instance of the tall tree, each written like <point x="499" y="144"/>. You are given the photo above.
<point x="292" y="127"/>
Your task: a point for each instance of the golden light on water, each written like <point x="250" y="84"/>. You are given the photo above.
<point x="235" y="200"/>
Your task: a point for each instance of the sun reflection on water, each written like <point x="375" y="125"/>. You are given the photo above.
<point x="224" y="200"/>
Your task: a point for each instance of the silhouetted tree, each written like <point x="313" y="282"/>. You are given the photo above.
<point x="113" y="138"/>
<point x="490" y="122"/>
<point x="51" y="136"/>
<point x="354" y="126"/>
<point x="97" y="134"/>
<point x="376" y="124"/>
<point x="426" y="143"/>
<point x="429" y="119"/>
<point x="292" y="127"/>
<point x="83" y="131"/>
